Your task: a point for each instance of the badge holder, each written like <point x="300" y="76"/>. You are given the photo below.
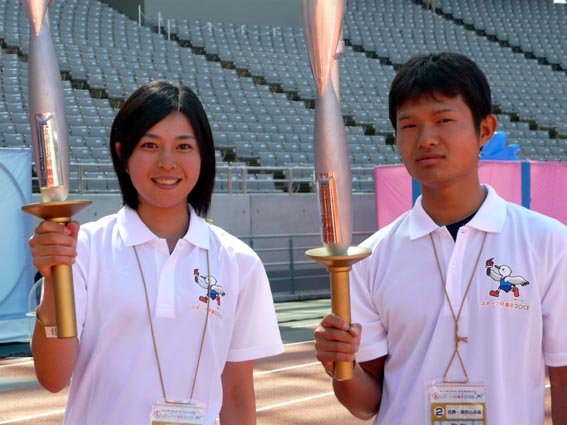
<point x="177" y="412"/>
<point x="168" y="412"/>
<point x="456" y="403"/>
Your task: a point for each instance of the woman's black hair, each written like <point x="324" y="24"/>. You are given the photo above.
<point x="145" y="108"/>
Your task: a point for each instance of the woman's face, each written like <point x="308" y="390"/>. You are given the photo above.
<point x="165" y="165"/>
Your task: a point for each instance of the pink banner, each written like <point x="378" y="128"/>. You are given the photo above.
<point x="504" y="176"/>
<point x="392" y="185"/>
<point x="549" y="189"/>
<point x="541" y="186"/>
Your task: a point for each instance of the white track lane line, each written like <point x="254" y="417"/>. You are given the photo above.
<point x="299" y="343"/>
<point x="289" y="403"/>
<point x="283" y="369"/>
<point x="16" y="364"/>
<point x="27" y="418"/>
<point x="310" y="325"/>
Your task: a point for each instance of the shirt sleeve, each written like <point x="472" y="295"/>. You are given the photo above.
<point x="364" y="310"/>
<point x="554" y="305"/>
<point x="256" y="333"/>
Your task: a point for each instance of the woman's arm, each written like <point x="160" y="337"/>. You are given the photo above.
<point x="54" y="359"/>
<point x="239" y="402"/>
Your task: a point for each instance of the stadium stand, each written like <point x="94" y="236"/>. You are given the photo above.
<point x="256" y="84"/>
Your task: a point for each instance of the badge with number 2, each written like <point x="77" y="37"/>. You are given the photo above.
<point x="177" y="413"/>
<point x="457" y="404"/>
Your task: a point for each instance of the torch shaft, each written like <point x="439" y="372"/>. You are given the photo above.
<point x="64" y="295"/>
<point x="64" y="301"/>
<point x="340" y="305"/>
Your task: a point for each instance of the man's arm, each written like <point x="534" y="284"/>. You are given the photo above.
<point x="239" y="402"/>
<point x="558" y="380"/>
<point x="362" y="394"/>
<point x="336" y="341"/>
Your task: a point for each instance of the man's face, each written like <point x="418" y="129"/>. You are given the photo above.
<point x="438" y="141"/>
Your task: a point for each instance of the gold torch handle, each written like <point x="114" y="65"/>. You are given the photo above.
<point x="61" y="212"/>
<point x="339" y="267"/>
<point x="340" y="305"/>
<point x="64" y="294"/>
<point x="64" y="301"/>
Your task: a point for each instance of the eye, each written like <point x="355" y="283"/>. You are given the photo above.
<point x="446" y="118"/>
<point x="407" y="126"/>
<point x="148" y="145"/>
<point x="184" y="146"/>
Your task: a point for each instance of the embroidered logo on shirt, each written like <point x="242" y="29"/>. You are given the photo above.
<point x="216" y="292"/>
<point x="503" y="275"/>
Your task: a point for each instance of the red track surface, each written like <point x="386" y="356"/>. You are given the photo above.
<point x="290" y="388"/>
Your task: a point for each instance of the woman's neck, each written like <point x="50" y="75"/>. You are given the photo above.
<point x="169" y="224"/>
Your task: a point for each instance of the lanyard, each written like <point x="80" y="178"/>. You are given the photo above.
<point x="458" y="338"/>
<point x="153" y="332"/>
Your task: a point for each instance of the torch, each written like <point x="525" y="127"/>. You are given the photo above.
<point x="51" y="151"/>
<point x="322" y="23"/>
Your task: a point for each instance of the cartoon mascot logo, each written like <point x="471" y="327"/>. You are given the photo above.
<point x="217" y="290"/>
<point x="503" y="275"/>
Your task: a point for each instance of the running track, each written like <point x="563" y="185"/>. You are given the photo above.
<point x="290" y="389"/>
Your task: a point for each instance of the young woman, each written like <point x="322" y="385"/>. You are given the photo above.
<point x="171" y="310"/>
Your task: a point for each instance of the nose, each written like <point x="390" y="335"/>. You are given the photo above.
<point x="166" y="160"/>
<point x="427" y="137"/>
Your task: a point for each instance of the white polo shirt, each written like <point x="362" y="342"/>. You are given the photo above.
<point x="398" y="297"/>
<point x="116" y="378"/>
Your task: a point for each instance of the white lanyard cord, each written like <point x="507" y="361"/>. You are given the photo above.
<point x="458" y="338"/>
<point x="153" y="332"/>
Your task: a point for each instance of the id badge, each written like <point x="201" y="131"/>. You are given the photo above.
<point x="170" y="413"/>
<point x="457" y="403"/>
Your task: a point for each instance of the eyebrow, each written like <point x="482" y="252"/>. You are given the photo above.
<point x="436" y="112"/>
<point x="180" y="137"/>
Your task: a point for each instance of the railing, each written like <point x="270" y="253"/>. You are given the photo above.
<point x="99" y="177"/>
<point x="288" y="268"/>
<point x="283" y="255"/>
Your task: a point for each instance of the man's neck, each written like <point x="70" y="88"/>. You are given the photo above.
<point x="451" y="205"/>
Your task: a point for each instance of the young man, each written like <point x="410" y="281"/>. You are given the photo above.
<point x="463" y="302"/>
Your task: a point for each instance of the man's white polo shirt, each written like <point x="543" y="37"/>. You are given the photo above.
<point x="398" y="297"/>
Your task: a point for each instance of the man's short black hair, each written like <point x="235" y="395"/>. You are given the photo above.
<point x="446" y="74"/>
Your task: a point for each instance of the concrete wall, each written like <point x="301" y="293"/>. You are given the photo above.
<point x="263" y="220"/>
<point x="253" y="215"/>
<point x="265" y="12"/>
<point x="128" y="7"/>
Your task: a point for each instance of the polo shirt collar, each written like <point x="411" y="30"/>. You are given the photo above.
<point x="489" y="218"/>
<point x="134" y="232"/>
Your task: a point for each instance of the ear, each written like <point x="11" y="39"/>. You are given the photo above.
<point x="488" y="126"/>
<point x="118" y="147"/>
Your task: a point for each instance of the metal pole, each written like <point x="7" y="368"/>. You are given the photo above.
<point x="291" y="266"/>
